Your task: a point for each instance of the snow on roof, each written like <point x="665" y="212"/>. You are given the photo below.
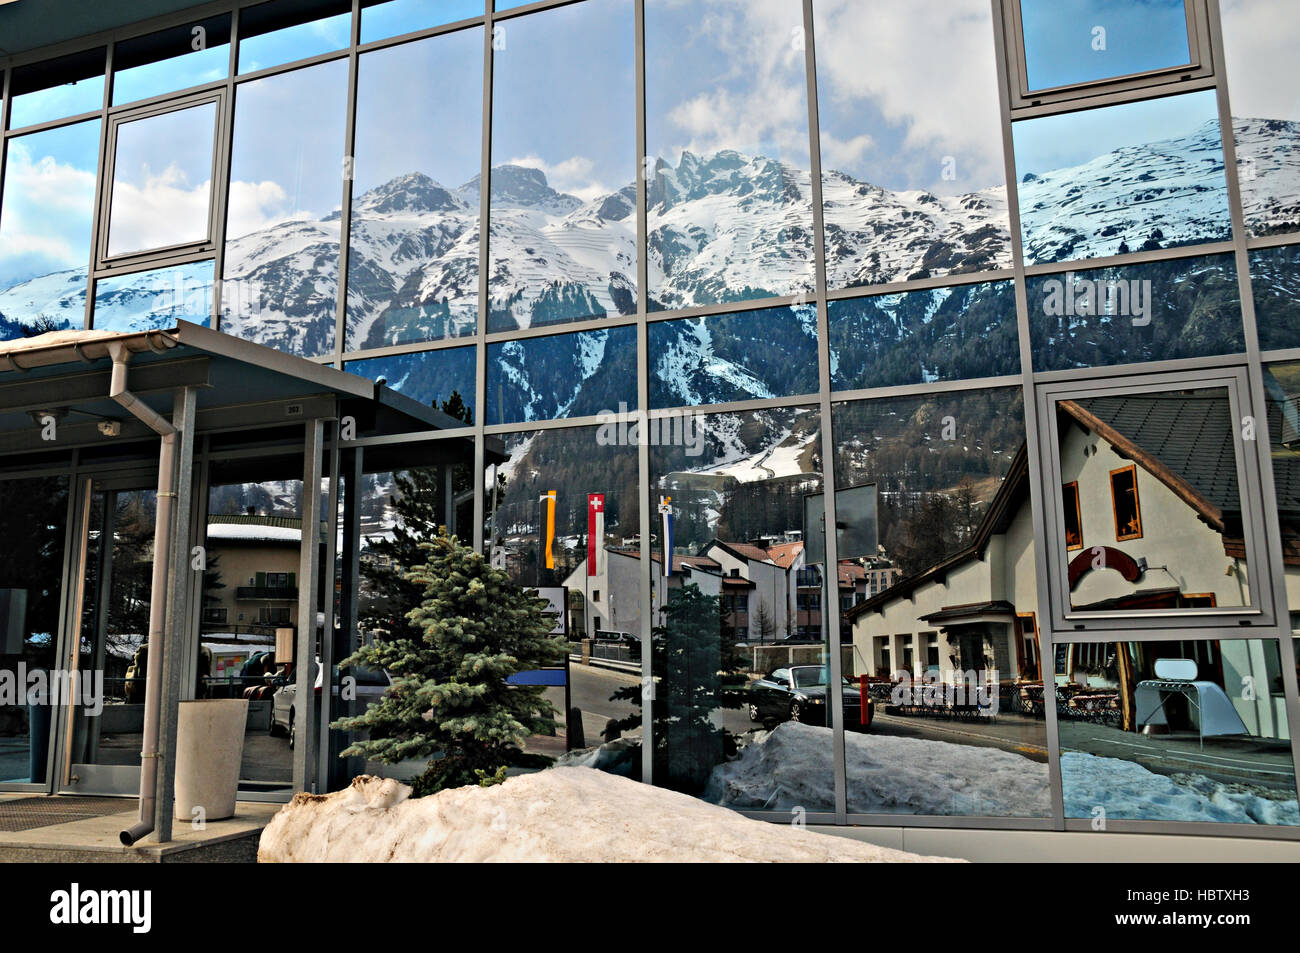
<point x="253" y="531"/>
<point x="55" y="338"/>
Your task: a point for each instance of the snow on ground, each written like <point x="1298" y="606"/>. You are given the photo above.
<point x="1128" y="791"/>
<point x="791" y="768"/>
<point x="557" y="815"/>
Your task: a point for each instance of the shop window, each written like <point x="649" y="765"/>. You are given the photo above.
<point x="1124" y="500"/>
<point x="1073" y="518"/>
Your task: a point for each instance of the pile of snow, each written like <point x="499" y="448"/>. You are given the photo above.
<point x="1128" y="791"/>
<point x="792" y="768"/>
<point x="561" y="815"/>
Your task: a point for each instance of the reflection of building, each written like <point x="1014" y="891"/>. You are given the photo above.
<point x="766" y="592"/>
<point x="253" y="574"/>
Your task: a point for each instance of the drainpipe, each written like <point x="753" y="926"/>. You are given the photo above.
<point x="158" y="589"/>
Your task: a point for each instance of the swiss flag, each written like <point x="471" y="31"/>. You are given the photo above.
<point x="595" y="534"/>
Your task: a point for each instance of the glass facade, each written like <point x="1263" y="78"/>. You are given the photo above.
<point x="982" y="287"/>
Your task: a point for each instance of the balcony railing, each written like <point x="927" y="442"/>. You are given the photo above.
<point x="266" y="592"/>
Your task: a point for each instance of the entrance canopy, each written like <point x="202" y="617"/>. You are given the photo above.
<point x="55" y="390"/>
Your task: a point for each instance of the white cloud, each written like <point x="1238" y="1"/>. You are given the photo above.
<point x="47" y="216"/>
<point x="574" y="175"/>
<point x="257" y="205"/>
<point x="1260" y="39"/>
<point x="165" y="210"/>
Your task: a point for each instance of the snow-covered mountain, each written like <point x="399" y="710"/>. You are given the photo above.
<point x="724" y="227"/>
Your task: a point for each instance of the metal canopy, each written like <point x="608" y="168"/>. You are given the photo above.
<point x="242" y="386"/>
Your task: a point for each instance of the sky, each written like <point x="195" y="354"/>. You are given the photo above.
<point x="1070" y="139"/>
<point x="903" y="86"/>
<point x="395" y="17"/>
<point x="564" y="96"/>
<point x="1261" y="39"/>
<point x="1062" y="38"/>
<point x="443" y="136"/>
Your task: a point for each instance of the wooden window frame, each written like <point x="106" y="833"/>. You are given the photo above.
<point x="1078" y="516"/>
<point x="1120" y="535"/>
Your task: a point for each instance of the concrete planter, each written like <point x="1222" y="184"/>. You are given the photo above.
<point x="209" y="746"/>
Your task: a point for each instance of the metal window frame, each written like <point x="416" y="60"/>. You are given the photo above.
<point x="1068" y="621"/>
<point x="1200" y="65"/>
<point x="159" y="256"/>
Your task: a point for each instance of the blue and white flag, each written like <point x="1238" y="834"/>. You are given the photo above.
<point x="666" y="513"/>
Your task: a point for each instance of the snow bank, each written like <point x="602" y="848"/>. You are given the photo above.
<point x="562" y="814"/>
<point x="792" y="768"/>
<point x="1128" y="791"/>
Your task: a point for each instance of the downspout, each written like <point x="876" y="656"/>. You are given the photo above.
<point x="158" y="589"/>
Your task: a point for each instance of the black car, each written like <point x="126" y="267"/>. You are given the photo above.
<point x="798" y="693"/>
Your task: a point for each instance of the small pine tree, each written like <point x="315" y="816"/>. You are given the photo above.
<point x="449" y="695"/>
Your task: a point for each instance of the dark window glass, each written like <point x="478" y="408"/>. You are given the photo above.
<point x="729" y="610"/>
<point x="280" y="285"/>
<point x="184" y="56"/>
<point x="913" y="175"/>
<point x="162" y="181"/>
<point x="1282" y="390"/>
<point x="1164" y="310"/>
<point x="1175" y="731"/>
<point x="443" y="379"/>
<point x="1073" y="518"/>
<point x="729" y="357"/>
<point x="566" y="375"/>
<point x="1134" y="177"/>
<point x="729" y="204"/>
<point x="381" y="19"/>
<point x="414" y="257"/>
<point x="924" y="336"/>
<point x="274" y="33"/>
<point x="46" y="218"/>
<point x="52" y="89"/>
<point x="1275" y="286"/>
<point x="953" y="545"/>
<point x="1159" y="469"/>
<point x="563" y="237"/>
<point x="1082" y="41"/>
<point x="155" y="299"/>
<point x="1260" y="38"/>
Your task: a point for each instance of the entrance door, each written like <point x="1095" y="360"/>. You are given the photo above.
<point x="33" y="527"/>
<point x="103" y="727"/>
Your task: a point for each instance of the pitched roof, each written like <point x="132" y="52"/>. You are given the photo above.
<point x="784" y="554"/>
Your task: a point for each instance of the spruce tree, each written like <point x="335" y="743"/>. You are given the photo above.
<point x="450" y="699"/>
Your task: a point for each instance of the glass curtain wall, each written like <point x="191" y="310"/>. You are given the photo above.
<point x="824" y="276"/>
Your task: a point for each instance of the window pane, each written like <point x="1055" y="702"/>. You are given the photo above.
<point x="442" y="379"/>
<point x="162" y="180"/>
<point x="280" y="286"/>
<point x="155" y="299"/>
<point x="738" y="603"/>
<point x="924" y="336"/>
<point x="185" y="56"/>
<point x="563" y="238"/>
<point x="380" y="20"/>
<point x="587" y="541"/>
<point x="1282" y="392"/>
<point x="1165" y="310"/>
<point x="729" y="202"/>
<point x="945" y="642"/>
<point x="1159" y="499"/>
<point x="52" y="89"/>
<point x="1081" y="41"/>
<point x="46" y="218"/>
<point x="275" y="33"/>
<point x="913" y="176"/>
<point x="1275" y="285"/>
<point x="1134" y="177"/>
<point x="1260" y="38"/>
<point x="567" y="375"/>
<point x="728" y="357"/>
<point x="1211" y="717"/>
<point x="414" y="258"/>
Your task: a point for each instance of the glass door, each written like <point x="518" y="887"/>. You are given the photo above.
<point x="104" y="728"/>
<point x="33" y="528"/>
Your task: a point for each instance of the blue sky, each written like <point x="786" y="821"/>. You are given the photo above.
<point x="442" y="138"/>
<point x="564" y="96"/>
<point x="1058" y="142"/>
<point x="1138" y="35"/>
<point x="396" y="17"/>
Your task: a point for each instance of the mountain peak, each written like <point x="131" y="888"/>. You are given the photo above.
<point x="410" y="192"/>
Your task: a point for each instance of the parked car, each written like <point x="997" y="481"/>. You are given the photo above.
<point x="620" y="638"/>
<point x="798" y="693"/>
<point x="370" y="686"/>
